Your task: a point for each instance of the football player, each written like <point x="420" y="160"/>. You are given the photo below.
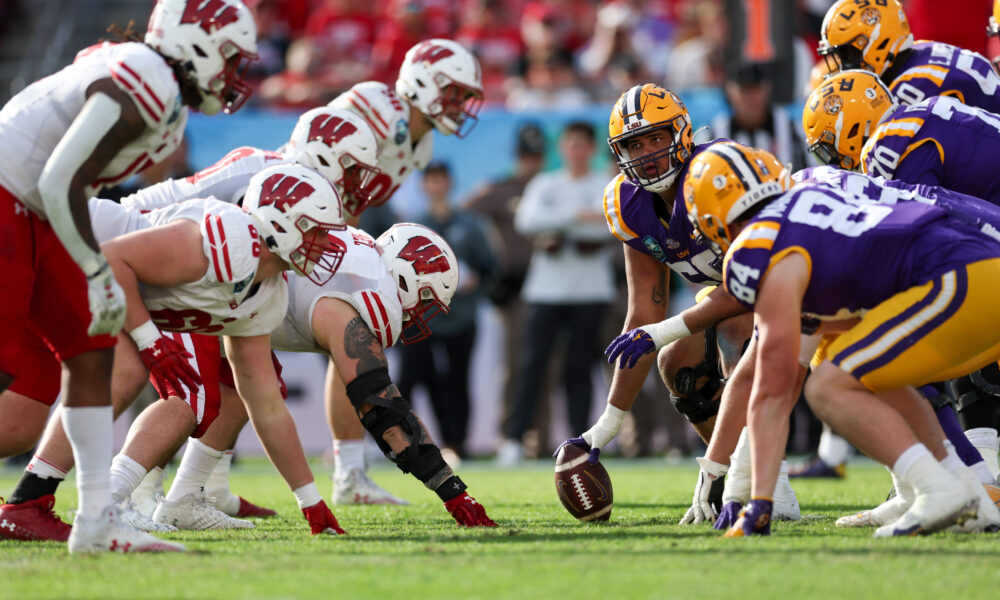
<point x="439" y="88"/>
<point x="650" y="134"/>
<point x="117" y="109"/>
<point x="858" y="34"/>
<point x="993" y="34"/>
<point x="802" y="250"/>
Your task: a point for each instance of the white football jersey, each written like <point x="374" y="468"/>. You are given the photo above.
<point x="227" y="180"/>
<point x="389" y="118"/>
<point x="224" y="301"/>
<point x="36" y="119"/>
<point x="363" y="281"/>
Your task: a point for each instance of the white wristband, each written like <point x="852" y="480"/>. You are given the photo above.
<point x="667" y="332"/>
<point x="145" y="335"/>
<point x="307" y="495"/>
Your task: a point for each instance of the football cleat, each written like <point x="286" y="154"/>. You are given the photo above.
<point x="819" y="470"/>
<point x="887" y="512"/>
<point x="33" y="521"/>
<point x="357" y="488"/>
<point x="987" y="516"/>
<point x="135" y="519"/>
<point x="194" y="512"/>
<point x="933" y="511"/>
<point x="109" y="533"/>
<point x="249" y="509"/>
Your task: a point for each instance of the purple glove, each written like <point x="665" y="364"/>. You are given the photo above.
<point x="631" y="345"/>
<point x="728" y="516"/>
<point x="755" y="520"/>
<point x="595" y="454"/>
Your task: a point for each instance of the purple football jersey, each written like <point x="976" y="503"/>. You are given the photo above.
<point x="935" y="69"/>
<point x="860" y="253"/>
<point x="640" y="219"/>
<point x="938" y="142"/>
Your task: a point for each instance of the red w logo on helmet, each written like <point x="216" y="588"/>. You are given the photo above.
<point x="210" y="15"/>
<point x="283" y="191"/>
<point x="430" y="53"/>
<point x="330" y="130"/>
<point x="425" y="256"/>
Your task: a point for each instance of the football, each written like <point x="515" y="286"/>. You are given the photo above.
<point x="583" y="488"/>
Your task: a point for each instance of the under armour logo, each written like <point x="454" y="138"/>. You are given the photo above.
<point x="156" y="350"/>
<point x="7" y="524"/>
<point x="115" y="546"/>
<point x="20" y="209"/>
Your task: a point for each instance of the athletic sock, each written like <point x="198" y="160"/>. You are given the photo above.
<point x="126" y="474"/>
<point x="951" y="462"/>
<point x="218" y="481"/>
<point x="196" y="466"/>
<point x="348" y="455"/>
<point x="89" y="429"/>
<point x="39" y="479"/>
<point x="833" y="449"/>
<point x="986" y="442"/>
<point x="917" y="467"/>
<point x="953" y="431"/>
<point x="147" y="489"/>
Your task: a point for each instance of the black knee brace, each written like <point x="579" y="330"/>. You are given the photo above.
<point x="698" y="404"/>
<point x="423" y="460"/>
<point x="977" y="396"/>
<point x="940" y="397"/>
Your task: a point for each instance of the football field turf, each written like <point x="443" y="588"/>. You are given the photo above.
<point x="538" y="551"/>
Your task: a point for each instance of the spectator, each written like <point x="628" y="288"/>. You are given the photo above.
<point x="304" y="83"/>
<point x="498" y="202"/>
<point x="698" y="60"/>
<point x="441" y="362"/>
<point x="549" y="82"/>
<point x="344" y="31"/>
<point x="569" y="285"/>
<point x="755" y="120"/>
<point x="487" y="30"/>
<point x="408" y="23"/>
<point x="278" y="23"/>
<point x="610" y="63"/>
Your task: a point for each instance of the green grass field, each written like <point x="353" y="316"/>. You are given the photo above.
<point x="538" y="551"/>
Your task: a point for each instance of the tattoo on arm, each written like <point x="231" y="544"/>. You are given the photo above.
<point x="659" y="293"/>
<point x="361" y="345"/>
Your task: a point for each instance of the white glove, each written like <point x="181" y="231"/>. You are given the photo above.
<point x="106" y="297"/>
<point x="738" y="481"/>
<point x="606" y="428"/>
<point x="701" y="509"/>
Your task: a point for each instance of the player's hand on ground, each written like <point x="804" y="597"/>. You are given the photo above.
<point x="467" y="512"/>
<point x="728" y="515"/>
<point x="167" y="361"/>
<point x="631" y="346"/>
<point x="107" y="301"/>
<point x="321" y="519"/>
<point x="710" y="474"/>
<point x="754" y="520"/>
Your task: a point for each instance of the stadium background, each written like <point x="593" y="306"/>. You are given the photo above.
<point x="688" y="45"/>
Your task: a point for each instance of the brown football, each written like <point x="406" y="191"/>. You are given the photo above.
<point x="583" y="488"/>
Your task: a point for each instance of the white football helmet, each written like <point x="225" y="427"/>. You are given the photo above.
<point x="443" y="80"/>
<point x="214" y="41"/>
<point x="426" y="272"/>
<point x="287" y="202"/>
<point x="340" y="146"/>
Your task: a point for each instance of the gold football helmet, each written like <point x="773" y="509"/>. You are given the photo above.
<point x="641" y="110"/>
<point x="840" y="115"/>
<point x="863" y="34"/>
<point x="993" y="29"/>
<point x="727" y="179"/>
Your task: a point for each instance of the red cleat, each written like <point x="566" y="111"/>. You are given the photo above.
<point x="33" y="521"/>
<point x="249" y="509"/>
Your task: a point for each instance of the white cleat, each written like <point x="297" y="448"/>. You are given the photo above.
<point x="357" y="488"/>
<point x="194" y="512"/>
<point x="987" y="517"/>
<point x="933" y="511"/>
<point x="137" y="520"/>
<point x="109" y="533"/>
<point x="887" y="512"/>
<point x="786" y="503"/>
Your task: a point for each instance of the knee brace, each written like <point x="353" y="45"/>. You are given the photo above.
<point x="423" y="460"/>
<point x="697" y="404"/>
<point x="936" y="394"/>
<point x="976" y="387"/>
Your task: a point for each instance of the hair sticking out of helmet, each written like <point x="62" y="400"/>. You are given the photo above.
<point x="864" y="35"/>
<point x="426" y="272"/>
<point x="213" y="41"/>
<point x="725" y="181"/>
<point x="295" y="209"/>
<point x="842" y="113"/>
<point x="341" y="146"/>
<point x="650" y="134"/>
<point x="443" y="81"/>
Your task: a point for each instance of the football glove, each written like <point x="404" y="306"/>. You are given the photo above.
<point x="709" y="477"/>
<point x="106" y="299"/>
<point x="467" y="512"/>
<point x="728" y="515"/>
<point x="754" y="520"/>
<point x="321" y="519"/>
<point x="605" y="430"/>
<point x="167" y="362"/>
<point x="631" y="346"/>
